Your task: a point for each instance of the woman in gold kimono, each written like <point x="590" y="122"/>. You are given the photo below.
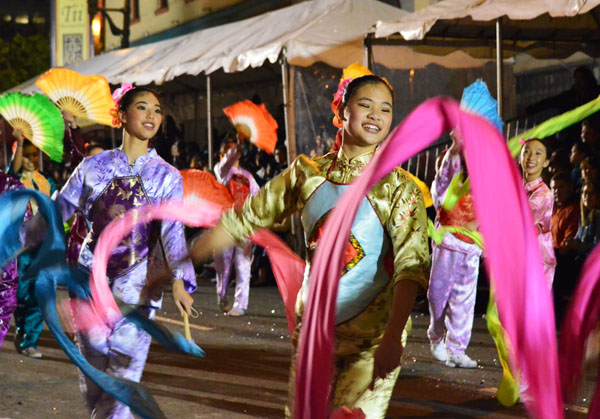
<point x="387" y="255"/>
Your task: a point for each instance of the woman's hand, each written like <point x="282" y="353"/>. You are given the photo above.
<point x="182" y="299"/>
<point x="387" y="357"/>
<point x="69" y="119"/>
<point x="18" y="134"/>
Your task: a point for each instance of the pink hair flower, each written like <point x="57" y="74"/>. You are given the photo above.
<point x="120" y="92"/>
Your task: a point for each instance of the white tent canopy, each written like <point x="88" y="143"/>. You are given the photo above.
<point x="331" y="31"/>
<point x="542" y="28"/>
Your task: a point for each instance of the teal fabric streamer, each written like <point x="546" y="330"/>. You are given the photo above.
<point x="48" y="268"/>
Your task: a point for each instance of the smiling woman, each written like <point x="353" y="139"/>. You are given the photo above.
<point x="386" y="258"/>
<point x="102" y="188"/>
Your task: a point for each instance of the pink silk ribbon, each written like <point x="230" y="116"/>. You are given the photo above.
<point x="288" y="268"/>
<point x="514" y="259"/>
<point x="582" y="316"/>
<point x="199" y="214"/>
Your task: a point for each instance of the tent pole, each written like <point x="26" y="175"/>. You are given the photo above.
<point x="291" y="148"/>
<point x="368" y="57"/>
<point x="499" y="67"/>
<point x="209" y="123"/>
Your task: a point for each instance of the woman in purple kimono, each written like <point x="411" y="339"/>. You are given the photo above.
<point x="454" y="270"/>
<point x="103" y="187"/>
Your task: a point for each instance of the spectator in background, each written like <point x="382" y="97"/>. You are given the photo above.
<point x="559" y="162"/>
<point x="588" y="232"/>
<point x="565" y="221"/>
<point x="578" y="153"/>
<point x="565" y="215"/>
<point x="589" y="170"/>
<point x="585" y="88"/>
<point x="169" y="135"/>
<point x="590" y="133"/>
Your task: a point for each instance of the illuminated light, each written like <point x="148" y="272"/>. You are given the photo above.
<point x="96" y="26"/>
<point x="22" y="19"/>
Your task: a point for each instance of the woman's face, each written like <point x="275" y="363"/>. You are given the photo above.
<point x="588" y="172"/>
<point x="368" y="115"/>
<point x="533" y="159"/>
<point x="589" y="197"/>
<point x="31" y="158"/>
<point x="576" y="155"/>
<point x="143" y="117"/>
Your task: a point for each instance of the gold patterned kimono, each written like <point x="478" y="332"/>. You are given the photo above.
<point x="388" y="243"/>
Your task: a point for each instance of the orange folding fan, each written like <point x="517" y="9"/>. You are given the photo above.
<point x="255" y="123"/>
<point x="198" y="184"/>
<point x="86" y="97"/>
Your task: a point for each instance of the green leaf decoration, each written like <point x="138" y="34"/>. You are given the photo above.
<point x="39" y="120"/>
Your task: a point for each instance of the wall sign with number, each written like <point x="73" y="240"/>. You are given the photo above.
<point x="72" y="32"/>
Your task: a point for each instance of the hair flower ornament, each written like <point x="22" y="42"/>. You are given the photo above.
<point x="117" y="96"/>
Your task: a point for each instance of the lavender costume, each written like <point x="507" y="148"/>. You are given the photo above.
<point x="9" y="280"/>
<point x="241" y="255"/>
<point x="454" y="271"/>
<point x="103" y="187"/>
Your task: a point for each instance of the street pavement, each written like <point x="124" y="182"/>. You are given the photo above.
<point x="244" y="373"/>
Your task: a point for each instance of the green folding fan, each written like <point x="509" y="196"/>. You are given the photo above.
<point x="39" y="120"/>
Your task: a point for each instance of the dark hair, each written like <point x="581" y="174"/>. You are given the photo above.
<point x="542" y="142"/>
<point x="581" y="147"/>
<point x="27" y="143"/>
<point x="129" y="96"/>
<point x="358" y="82"/>
<point x="563" y="177"/>
<point x="587" y="74"/>
<point x="226" y="145"/>
<point x="592" y="122"/>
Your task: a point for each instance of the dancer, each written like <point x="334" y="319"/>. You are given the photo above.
<point x="28" y="315"/>
<point x="533" y="160"/>
<point x="454" y="271"/>
<point x="104" y="187"/>
<point x="9" y="281"/>
<point x="387" y="260"/>
<point x="241" y="184"/>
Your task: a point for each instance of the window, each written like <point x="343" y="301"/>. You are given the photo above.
<point x="163" y="6"/>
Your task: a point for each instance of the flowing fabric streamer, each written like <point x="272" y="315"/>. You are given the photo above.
<point x="555" y="124"/>
<point x="582" y="316"/>
<point x="200" y="214"/>
<point x="437" y="235"/>
<point x="514" y="259"/>
<point x="508" y="390"/>
<point x="48" y="268"/>
<point x="288" y="270"/>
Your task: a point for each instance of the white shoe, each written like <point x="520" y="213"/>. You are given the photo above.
<point x="460" y="361"/>
<point x="32" y="353"/>
<point x="236" y="312"/>
<point x="438" y="350"/>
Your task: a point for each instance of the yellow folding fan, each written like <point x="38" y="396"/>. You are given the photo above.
<point x="86" y="97"/>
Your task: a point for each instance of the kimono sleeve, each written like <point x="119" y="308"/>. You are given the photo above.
<point x="450" y="167"/>
<point x="68" y="199"/>
<point x="541" y="203"/>
<point x="276" y="200"/>
<point x="407" y="227"/>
